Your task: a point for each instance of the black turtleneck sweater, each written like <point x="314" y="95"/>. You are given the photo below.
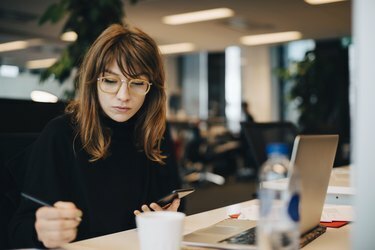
<point x="107" y="191"/>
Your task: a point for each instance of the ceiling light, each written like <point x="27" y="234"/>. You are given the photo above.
<point x="9" y="71"/>
<point x="271" y="38"/>
<point x="176" y="48"/>
<point x="198" y="16"/>
<point x="314" y="2"/>
<point x="17" y="45"/>
<point x="43" y="96"/>
<point x="69" y="36"/>
<point x="39" y="64"/>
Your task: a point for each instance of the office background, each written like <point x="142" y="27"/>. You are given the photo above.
<point x="198" y="80"/>
<point x="206" y="83"/>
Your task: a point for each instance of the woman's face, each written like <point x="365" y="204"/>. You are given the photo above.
<point x="124" y="104"/>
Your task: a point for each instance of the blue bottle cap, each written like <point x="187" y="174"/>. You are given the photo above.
<point x="277" y="148"/>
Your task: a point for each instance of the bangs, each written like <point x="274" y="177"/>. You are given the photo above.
<point x="133" y="60"/>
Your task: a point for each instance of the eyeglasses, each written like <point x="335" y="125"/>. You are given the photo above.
<point x="112" y="84"/>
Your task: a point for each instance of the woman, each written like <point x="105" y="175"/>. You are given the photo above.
<point x="107" y="156"/>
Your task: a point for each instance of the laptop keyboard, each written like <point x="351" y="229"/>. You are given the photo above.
<point x="312" y="235"/>
<point x="248" y="237"/>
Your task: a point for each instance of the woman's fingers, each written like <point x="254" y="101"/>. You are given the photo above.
<point x="53" y="213"/>
<point x="63" y="224"/>
<point x="136" y="212"/>
<point x="155" y="207"/>
<point x="145" y="208"/>
<point x="61" y="235"/>
<point x="174" y="206"/>
<point x="53" y="239"/>
<point x="69" y="206"/>
<point x="57" y="225"/>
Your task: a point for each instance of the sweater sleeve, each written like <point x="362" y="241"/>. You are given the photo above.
<point x="42" y="180"/>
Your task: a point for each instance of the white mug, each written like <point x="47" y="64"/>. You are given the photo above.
<point x="160" y="230"/>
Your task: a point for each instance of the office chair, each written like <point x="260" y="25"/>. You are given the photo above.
<point x="258" y="135"/>
<point x="197" y="160"/>
<point x="14" y="150"/>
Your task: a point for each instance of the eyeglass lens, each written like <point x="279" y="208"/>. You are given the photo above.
<point x="112" y="84"/>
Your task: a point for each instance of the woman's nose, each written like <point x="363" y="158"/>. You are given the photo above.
<point x="123" y="93"/>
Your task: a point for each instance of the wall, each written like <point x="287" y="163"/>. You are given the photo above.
<point x="363" y="123"/>
<point x="21" y="86"/>
<point x="171" y="77"/>
<point x="257" y="87"/>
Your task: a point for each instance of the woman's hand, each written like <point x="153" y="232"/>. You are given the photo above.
<point x="57" y="225"/>
<point x="155" y="207"/>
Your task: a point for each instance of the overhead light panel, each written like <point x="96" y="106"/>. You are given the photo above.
<point x="69" y="36"/>
<point x="198" y="16"/>
<point x="315" y="2"/>
<point x="40" y="64"/>
<point x="43" y="96"/>
<point x="176" y="48"/>
<point x="271" y="38"/>
<point x="18" y="45"/>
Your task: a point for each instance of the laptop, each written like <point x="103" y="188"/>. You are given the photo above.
<point x="313" y="157"/>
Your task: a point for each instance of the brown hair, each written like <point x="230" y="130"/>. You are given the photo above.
<point x="133" y="51"/>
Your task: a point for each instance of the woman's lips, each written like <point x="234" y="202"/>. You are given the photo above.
<point x="121" y="109"/>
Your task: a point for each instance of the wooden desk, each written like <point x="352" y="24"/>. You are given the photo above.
<point x="128" y="240"/>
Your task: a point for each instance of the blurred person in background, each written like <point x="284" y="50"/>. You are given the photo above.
<point x="245" y="113"/>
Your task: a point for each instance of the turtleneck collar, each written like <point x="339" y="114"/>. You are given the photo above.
<point x="119" y="128"/>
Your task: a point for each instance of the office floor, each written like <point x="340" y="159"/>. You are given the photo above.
<point x="210" y="196"/>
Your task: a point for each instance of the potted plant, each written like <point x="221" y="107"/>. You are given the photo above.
<point x="87" y="19"/>
<point x="320" y="87"/>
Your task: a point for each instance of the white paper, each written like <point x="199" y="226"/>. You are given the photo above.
<point x="337" y="213"/>
<point x="249" y="213"/>
<point x="330" y="213"/>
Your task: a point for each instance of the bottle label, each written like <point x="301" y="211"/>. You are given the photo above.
<point x="293" y="207"/>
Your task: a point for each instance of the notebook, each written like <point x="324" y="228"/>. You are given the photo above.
<point x="313" y="157"/>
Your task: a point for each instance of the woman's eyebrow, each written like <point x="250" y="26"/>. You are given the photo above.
<point x="141" y="74"/>
<point x="110" y="72"/>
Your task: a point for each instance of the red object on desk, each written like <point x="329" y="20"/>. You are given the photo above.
<point x="334" y="224"/>
<point x="234" y="216"/>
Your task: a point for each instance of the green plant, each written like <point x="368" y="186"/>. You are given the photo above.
<point x="88" y="18"/>
<point x="320" y="86"/>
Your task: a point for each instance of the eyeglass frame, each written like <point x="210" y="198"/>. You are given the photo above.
<point x="99" y="79"/>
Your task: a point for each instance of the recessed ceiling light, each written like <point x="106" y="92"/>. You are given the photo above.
<point x="17" y="45"/>
<point x="69" y="36"/>
<point x="271" y="38"/>
<point x="198" y="16"/>
<point x="176" y="48"/>
<point x="39" y="64"/>
<point x="43" y="96"/>
<point x="314" y="2"/>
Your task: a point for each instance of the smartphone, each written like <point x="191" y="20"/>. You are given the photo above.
<point x="178" y="193"/>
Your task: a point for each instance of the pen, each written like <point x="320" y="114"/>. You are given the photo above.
<point x="38" y="201"/>
<point x="43" y="203"/>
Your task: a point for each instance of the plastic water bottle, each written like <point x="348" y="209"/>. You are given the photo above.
<point x="278" y="225"/>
